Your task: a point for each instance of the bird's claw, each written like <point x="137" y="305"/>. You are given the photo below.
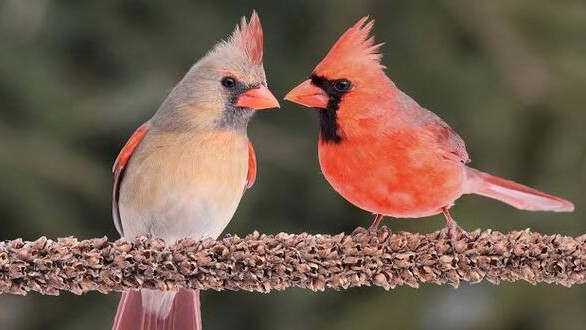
<point x="358" y="230"/>
<point x="451" y="231"/>
<point x="373" y="230"/>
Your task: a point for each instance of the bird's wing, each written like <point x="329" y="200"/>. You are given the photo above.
<point x="251" y="175"/>
<point x="119" y="168"/>
<point x="440" y="134"/>
<point x="448" y="140"/>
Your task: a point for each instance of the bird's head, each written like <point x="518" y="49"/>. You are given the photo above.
<point x="225" y="87"/>
<point x="349" y="75"/>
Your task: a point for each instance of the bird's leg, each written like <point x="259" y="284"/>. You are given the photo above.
<point x="374" y="226"/>
<point x="451" y="229"/>
<point x="373" y="229"/>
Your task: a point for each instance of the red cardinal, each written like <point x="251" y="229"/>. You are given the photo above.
<point x="385" y="153"/>
<point x="183" y="173"/>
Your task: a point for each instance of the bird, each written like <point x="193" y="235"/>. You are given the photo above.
<point x="385" y="153"/>
<point x="183" y="173"/>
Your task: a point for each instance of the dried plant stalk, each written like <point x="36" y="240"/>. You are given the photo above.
<point x="265" y="262"/>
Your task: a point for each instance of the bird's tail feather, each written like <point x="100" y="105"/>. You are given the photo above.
<point x="152" y="310"/>
<point x="514" y="194"/>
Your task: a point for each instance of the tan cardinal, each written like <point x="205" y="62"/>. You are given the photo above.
<point x="183" y="173"/>
<point x="384" y="152"/>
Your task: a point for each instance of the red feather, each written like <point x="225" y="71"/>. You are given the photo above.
<point x="355" y="48"/>
<point x="248" y="37"/>
<point x="514" y="194"/>
<point x="251" y="175"/>
<point x="120" y="166"/>
<point x="185" y="313"/>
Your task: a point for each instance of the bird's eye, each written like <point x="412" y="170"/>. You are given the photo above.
<point x="228" y="82"/>
<point x="342" y="85"/>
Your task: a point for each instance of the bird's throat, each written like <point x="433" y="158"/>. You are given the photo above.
<point x="235" y="118"/>
<point x="328" y="117"/>
<point x="328" y="125"/>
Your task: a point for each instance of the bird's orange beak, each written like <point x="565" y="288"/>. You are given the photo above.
<point x="258" y="98"/>
<point x="308" y="95"/>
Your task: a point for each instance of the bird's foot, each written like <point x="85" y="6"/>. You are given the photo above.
<point x="359" y="230"/>
<point x="452" y="232"/>
<point x="373" y="229"/>
<point x="451" y="229"/>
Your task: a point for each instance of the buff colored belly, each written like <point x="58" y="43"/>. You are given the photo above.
<point x="189" y="187"/>
<point x="392" y="177"/>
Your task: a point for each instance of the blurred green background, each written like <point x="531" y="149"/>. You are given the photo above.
<point x="77" y="77"/>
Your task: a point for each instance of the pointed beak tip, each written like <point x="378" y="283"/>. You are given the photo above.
<point x="275" y="103"/>
<point x="308" y="95"/>
<point x="258" y="99"/>
<point x="288" y="97"/>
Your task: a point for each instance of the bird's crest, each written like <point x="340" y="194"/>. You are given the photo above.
<point x="248" y="38"/>
<point x="355" y="46"/>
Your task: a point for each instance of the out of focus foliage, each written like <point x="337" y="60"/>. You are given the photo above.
<point x="76" y="77"/>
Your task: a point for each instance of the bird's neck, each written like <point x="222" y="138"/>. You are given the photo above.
<point x="235" y="118"/>
<point x="189" y="118"/>
<point x="329" y="128"/>
<point x="358" y="114"/>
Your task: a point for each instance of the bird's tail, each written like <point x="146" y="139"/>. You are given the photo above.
<point x="156" y="310"/>
<point x="514" y="194"/>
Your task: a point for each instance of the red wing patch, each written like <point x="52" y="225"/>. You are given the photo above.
<point x="455" y="143"/>
<point x="449" y="141"/>
<point x="119" y="168"/>
<point x="251" y="175"/>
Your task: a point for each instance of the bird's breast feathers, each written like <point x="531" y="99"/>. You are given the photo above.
<point x="392" y="174"/>
<point x="180" y="185"/>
